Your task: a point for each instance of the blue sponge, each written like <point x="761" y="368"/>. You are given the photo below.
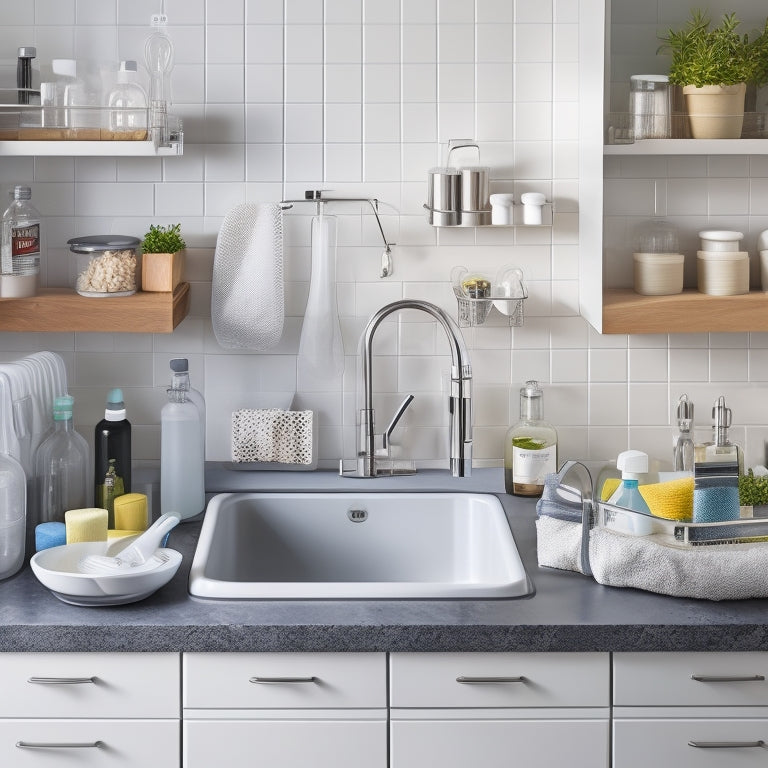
<point x="49" y="535"/>
<point x="715" y="504"/>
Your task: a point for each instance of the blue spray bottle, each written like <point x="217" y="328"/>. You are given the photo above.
<point x="632" y="465"/>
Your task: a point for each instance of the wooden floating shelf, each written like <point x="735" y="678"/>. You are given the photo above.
<point x="625" y="311"/>
<point x="690" y="147"/>
<point x="62" y="309"/>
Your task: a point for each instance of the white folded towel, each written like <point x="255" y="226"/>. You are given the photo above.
<point x="717" y="572"/>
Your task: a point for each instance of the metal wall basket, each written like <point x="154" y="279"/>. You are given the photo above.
<point x="477" y="297"/>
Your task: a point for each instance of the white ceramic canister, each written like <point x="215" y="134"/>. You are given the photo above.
<point x="501" y="208"/>
<point x="533" y="204"/>
<point x="722" y="273"/>
<point x="658" y="274"/>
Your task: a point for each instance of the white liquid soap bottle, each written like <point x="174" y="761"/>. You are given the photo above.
<point x="182" y="461"/>
<point x="180" y="380"/>
<point x="632" y="464"/>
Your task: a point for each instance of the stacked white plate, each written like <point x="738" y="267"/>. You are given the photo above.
<point x="723" y="269"/>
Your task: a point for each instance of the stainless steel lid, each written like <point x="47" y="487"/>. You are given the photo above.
<point x="93" y="243"/>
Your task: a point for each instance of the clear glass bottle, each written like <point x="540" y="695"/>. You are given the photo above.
<point x="13" y="515"/>
<point x="127" y="102"/>
<point x="530" y="448"/>
<point x="20" y="246"/>
<point x="62" y="467"/>
<point x="182" y="463"/>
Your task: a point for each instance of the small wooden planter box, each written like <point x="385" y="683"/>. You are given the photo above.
<point x="161" y="271"/>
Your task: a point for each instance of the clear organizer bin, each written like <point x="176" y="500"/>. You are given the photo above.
<point x="477" y="296"/>
<point x="676" y="533"/>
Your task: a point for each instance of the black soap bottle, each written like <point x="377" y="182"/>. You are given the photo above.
<point x="112" y="447"/>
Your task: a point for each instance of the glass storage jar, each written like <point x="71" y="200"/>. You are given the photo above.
<point x="106" y="265"/>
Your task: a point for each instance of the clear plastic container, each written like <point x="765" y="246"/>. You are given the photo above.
<point x="105" y="265"/>
<point x="128" y="114"/>
<point x="650" y="106"/>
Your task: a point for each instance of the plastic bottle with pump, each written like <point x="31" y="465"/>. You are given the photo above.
<point x="112" y="467"/>
<point x="530" y="448"/>
<point x="182" y="460"/>
<point x="632" y="464"/>
<point x="62" y="467"/>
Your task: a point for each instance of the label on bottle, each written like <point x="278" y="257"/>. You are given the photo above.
<point x="531" y="463"/>
<point x="25" y="249"/>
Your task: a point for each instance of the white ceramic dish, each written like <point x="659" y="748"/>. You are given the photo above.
<point x="658" y="274"/>
<point x="714" y="240"/>
<point x="57" y="569"/>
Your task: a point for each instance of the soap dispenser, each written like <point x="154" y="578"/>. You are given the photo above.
<point x="632" y="464"/>
<point x="684" y="448"/>
<point x="722" y="449"/>
<point x="530" y="448"/>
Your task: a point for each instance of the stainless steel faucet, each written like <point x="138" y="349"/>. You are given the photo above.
<point x="459" y="402"/>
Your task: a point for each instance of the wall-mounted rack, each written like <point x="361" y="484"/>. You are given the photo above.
<point x="315" y="196"/>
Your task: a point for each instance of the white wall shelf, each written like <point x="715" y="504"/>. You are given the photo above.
<point x="690" y="147"/>
<point x="87" y="149"/>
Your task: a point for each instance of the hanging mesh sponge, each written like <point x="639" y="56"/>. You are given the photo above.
<point x="247" y="292"/>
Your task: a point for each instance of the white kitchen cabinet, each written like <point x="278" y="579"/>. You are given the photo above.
<point x="89" y="709"/>
<point x="606" y="306"/>
<point x="690" y="709"/>
<point x="499" y="709"/>
<point x="285" y="710"/>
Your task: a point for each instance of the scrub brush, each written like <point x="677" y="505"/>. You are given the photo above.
<point x="143" y="551"/>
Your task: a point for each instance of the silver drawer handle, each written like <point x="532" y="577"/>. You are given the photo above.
<point x="61" y="680"/>
<point x="465" y="679"/>
<point x="59" y="745"/>
<point x="728" y="678"/>
<point x="725" y="744"/>
<point x="284" y="679"/>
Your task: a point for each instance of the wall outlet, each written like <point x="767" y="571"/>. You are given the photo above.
<point x="158" y="20"/>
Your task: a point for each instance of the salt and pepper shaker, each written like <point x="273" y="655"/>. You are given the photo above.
<point x="24" y="73"/>
<point x="533" y="203"/>
<point x="501" y="208"/>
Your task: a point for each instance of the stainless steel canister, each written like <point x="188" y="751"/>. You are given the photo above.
<point x="443" y="196"/>
<point x="475" y="196"/>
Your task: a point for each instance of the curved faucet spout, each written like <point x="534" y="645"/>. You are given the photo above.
<point x="460" y="399"/>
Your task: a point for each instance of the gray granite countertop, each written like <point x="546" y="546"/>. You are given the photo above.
<point x="567" y="612"/>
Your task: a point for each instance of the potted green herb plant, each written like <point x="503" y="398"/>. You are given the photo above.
<point x="713" y="65"/>
<point x="162" y="260"/>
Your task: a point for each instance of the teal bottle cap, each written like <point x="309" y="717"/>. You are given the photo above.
<point x="62" y="407"/>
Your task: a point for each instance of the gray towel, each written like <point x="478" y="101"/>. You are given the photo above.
<point x="722" y="572"/>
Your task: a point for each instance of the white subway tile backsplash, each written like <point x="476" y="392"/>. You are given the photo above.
<point x="343" y="43"/>
<point x="419" y="43"/>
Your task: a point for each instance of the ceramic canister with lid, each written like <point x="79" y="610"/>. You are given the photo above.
<point x="105" y="264"/>
<point x="722" y="268"/>
<point x="658" y="265"/>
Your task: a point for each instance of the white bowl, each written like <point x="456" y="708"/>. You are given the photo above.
<point x="720" y="240"/>
<point x="57" y="569"/>
<point x="658" y="274"/>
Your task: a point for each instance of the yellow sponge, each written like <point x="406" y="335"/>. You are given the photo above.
<point x="131" y="512"/>
<point x="609" y="486"/>
<point x="86" y="524"/>
<point x="672" y="499"/>
<point x="114" y="535"/>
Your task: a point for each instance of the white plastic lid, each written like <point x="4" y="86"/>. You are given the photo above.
<point x="649" y="78"/>
<point x="533" y="198"/>
<point x="721" y="235"/>
<point x="632" y="464"/>
<point x="66" y="67"/>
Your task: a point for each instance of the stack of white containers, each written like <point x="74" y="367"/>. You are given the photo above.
<point x="723" y="269"/>
<point x="658" y="263"/>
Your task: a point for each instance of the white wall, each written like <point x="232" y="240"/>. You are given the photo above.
<point x="360" y="97"/>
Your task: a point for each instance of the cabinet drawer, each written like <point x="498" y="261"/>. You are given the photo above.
<point x="690" y="679"/>
<point x="500" y="743"/>
<point x="89" y="685"/>
<point x="121" y="743"/>
<point x="640" y="743"/>
<point x="499" y="679"/>
<point x="285" y="743"/>
<point x="278" y="680"/>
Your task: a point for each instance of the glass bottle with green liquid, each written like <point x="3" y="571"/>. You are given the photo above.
<point x="112" y="443"/>
<point x="530" y="448"/>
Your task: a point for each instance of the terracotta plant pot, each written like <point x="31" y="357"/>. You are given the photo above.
<point x="715" y="111"/>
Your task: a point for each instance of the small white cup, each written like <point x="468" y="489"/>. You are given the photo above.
<point x="501" y="208"/>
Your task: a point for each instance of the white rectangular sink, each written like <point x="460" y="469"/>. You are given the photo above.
<point x="366" y="545"/>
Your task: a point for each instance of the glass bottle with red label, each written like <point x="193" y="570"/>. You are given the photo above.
<point x="20" y="246"/>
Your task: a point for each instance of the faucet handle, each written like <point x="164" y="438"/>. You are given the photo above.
<point x="393" y="423"/>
